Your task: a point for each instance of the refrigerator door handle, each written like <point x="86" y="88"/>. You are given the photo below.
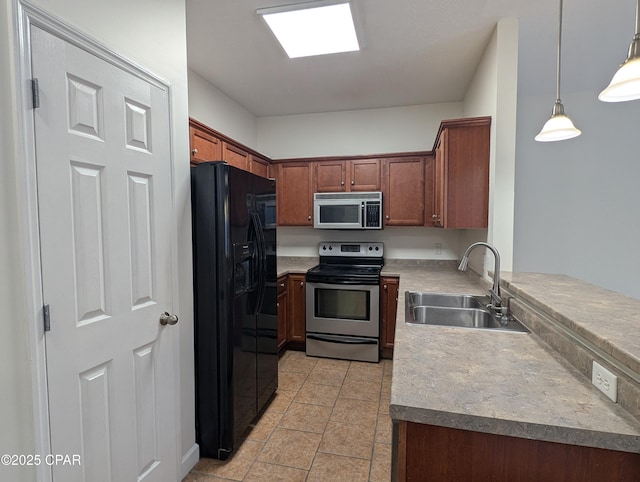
<point x="259" y="260"/>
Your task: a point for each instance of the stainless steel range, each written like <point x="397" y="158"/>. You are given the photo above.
<point x="343" y="301"/>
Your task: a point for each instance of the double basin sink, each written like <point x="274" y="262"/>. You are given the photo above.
<point x="466" y="311"/>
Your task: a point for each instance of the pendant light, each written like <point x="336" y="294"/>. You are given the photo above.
<point x="625" y="84"/>
<point x="559" y="127"/>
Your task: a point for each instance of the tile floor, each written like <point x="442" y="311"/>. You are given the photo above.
<point x="329" y="422"/>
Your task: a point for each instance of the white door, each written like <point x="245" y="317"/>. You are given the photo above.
<point x="104" y="199"/>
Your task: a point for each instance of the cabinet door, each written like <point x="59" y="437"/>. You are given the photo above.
<point x="283" y="311"/>
<point x="388" y="309"/>
<point x="439" y="186"/>
<point x="429" y="190"/>
<point x="297" y="307"/>
<point x="259" y="166"/>
<point x="204" y="146"/>
<point x="467" y="177"/>
<point x="364" y="175"/>
<point x="295" y="195"/>
<point x="403" y="191"/>
<point x="235" y="156"/>
<point x="330" y="176"/>
<point x="461" y="189"/>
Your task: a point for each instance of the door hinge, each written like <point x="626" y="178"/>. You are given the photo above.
<point x="46" y="315"/>
<point x="35" y="93"/>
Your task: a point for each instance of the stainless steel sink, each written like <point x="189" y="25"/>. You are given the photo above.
<point x="465" y="311"/>
<point x="446" y="300"/>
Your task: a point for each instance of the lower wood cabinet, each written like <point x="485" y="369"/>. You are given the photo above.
<point x="297" y="307"/>
<point x="292" y="313"/>
<point x="283" y="311"/>
<point x="440" y="454"/>
<point x="388" y="309"/>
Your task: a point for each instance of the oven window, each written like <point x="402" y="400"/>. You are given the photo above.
<point x="346" y="213"/>
<point x="342" y="304"/>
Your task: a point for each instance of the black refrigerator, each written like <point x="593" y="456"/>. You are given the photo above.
<point x="236" y="317"/>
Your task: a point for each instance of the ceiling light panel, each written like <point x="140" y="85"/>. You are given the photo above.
<point x="314" y="30"/>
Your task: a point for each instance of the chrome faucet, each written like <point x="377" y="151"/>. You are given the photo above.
<point x="496" y="299"/>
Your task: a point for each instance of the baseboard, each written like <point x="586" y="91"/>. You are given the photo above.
<point x="190" y="459"/>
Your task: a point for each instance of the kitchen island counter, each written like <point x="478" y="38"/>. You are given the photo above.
<point x="502" y="383"/>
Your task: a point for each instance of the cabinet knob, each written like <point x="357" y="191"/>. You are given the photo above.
<point x="282" y="285"/>
<point x="308" y="218"/>
<point x="353" y="183"/>
<point x="194" y="151"/>
<point x="434" y="216"/>
<point x="278" y="304"/>
<point x="301" y="284"/>
<point x="342" y="183"/>
<point x="387" y="216"/>
<point x="384" y="287"/>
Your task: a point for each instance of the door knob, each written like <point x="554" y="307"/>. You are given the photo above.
<point x="167" y="319"/>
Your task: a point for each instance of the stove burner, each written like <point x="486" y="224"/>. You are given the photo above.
<point x="352" y="263"/>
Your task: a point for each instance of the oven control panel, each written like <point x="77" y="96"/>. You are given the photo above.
<point x="348" y="249"/>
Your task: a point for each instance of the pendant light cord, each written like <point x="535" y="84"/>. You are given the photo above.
<point x="560" y="52"/>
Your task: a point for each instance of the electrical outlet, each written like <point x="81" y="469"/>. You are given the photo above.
<point x="605" y="381"/>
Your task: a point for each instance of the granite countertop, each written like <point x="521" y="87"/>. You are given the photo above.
<point x="295" y="264"/>
<point x="500" y="382"/>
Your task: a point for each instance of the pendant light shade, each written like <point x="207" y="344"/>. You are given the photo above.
<point x="625" y="84"/>
<point x="559" y="127"/>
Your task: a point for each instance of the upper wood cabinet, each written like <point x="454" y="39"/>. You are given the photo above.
<point x="294" y="194"/>
<point x="403" y="191"/>
<point x="259" y="165"/>
<point x="429" y="190"/>
<point x="330" y="176"/>
<point x="235" y="156"/>
<point x="364" y="175"/>
<point x="210" y="145"/>
<point x="461" y="188"/>
<point x="347" y="175"/>
<point x="204" y="146"/>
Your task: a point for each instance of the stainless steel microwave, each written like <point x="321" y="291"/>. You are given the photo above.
<point x="347" y="210"/>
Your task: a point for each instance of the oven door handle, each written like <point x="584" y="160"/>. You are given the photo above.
<point x="343" y="340"/>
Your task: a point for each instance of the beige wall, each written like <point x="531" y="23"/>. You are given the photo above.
<point x="493" y="92"/>
<point x="16" y="420"/>
<point x="215" y="109"/>
<point x="371" y="131"/>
